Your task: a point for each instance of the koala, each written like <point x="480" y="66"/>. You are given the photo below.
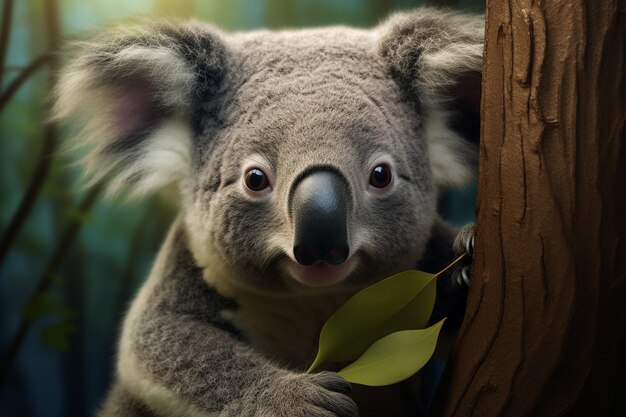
<point x="306" y="164"/>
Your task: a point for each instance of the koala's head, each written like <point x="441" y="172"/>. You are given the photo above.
<point x="302" y="160"/>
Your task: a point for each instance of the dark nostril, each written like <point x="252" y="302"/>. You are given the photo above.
<point x="337" y="255"/>
<point x="304" y="255"/>
<point x="308" y="257"/>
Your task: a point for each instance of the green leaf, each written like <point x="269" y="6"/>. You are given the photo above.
<point x="54" y="277"/>
<point x="44" y="304"/>
<point x="393" y="358"/>
<point x="57" y="336"/>
<point x="73" y="213"/>
<point x="400" y="302"/>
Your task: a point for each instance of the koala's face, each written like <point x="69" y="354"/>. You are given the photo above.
<point x="303" y="160"/>
<point x="318" y="172"/>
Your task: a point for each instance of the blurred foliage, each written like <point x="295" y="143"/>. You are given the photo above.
<point x="64" y="365"/>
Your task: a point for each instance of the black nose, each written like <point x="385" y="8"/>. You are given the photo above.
<point x="319" y="208"/>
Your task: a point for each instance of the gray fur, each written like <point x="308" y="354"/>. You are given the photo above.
<point x="125" y="84"/>
<point x="304" y="99"/>
<point x="437" y="56"/>
<point x="188" y="107"/>
<point x="430" y="49"/>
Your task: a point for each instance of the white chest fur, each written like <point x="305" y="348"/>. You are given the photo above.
<point x="284" y="328"/>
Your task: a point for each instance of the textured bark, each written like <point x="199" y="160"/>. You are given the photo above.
<point x="544" y="329"/>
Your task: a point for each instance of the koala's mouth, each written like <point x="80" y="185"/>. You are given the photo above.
<point x="322" y="273"/>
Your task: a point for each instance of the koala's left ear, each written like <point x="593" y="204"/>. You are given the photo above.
<point x="133" y="90"/>
<point x="437" y="56"/>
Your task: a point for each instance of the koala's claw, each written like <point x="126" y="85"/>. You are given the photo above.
<point x="333" y="382"/>
<point x="469" y="246"/>
<point x="464" y="241"/>
<point x="339" y="403"/>
<point x="462" y="277"/>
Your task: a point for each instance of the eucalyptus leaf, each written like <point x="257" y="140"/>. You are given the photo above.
<point x="375" y="312"/>
<point x="393" y="358"/>
<point x="73" y="213"/>
<point x="57" y="335"/>
<point x="414" y="315"/>
<point x="401" y="302"/>
<point x="46" y="304"/>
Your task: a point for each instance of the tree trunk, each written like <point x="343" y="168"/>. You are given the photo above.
<point x="544" y="330"/>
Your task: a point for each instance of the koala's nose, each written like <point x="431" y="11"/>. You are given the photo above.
<point x="319" y="208"/>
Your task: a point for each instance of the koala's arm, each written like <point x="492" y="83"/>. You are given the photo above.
<point x="178" y="357"/>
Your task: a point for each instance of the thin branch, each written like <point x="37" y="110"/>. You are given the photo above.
<point x="5" y="34"/>
<point x="136" y="246"/>
<point x="14" y="68"/>
<point x="34" y="187"/>
<point x="126" y="282"/>
<point x="23" y="76"/>
<point x="50" y="142"/>
<point x="53" y="31"/>
<point x="36" y="183"/>
<point x="46" y="279"/>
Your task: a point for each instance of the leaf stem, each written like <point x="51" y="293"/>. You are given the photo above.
<point x="452" y="264"/>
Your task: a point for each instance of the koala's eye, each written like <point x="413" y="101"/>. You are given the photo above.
<point x="256" y="180"/>
<point x="380" y="177"/>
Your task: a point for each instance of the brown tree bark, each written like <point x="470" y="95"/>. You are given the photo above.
<point x="544" y="331"/>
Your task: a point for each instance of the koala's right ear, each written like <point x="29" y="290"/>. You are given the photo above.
<point x="133" y="89"/>
<point x="437" y="55"/>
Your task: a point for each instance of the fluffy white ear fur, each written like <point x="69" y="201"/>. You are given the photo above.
<point x="451" y="156"/>
<point x="432" y="52"/>
<point x="129" y="91"/>
<point x="165" y="160"/>
<point x="110" y="113"/>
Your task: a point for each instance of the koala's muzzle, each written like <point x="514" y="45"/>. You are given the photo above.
<point x="319" y="209"/>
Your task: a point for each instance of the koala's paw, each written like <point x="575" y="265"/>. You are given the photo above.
<point x="325" y="394"/>
<point x="464" y="242"/>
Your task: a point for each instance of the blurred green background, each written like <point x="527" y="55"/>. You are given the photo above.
<point x="82" y="256"/>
